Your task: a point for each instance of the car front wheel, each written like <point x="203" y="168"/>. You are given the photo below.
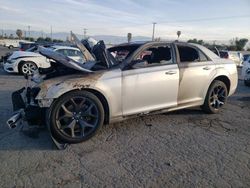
<point x="76" y="116"/>
<point x="216" y="97"/>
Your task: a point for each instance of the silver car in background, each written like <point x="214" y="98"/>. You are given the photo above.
<point x="235" y="56"/>
<point x="152" y="77"/>
<point x="245" y="71"/>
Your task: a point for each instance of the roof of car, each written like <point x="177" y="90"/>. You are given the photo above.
<point x="64" y="47"/>
<point x="139" y="43"/>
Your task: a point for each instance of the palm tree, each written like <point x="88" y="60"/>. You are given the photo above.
<point x="178" y="34"/>
<point x="19" y="33"/>
<point x="129" y="37"/>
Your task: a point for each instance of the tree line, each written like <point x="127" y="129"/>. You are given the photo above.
<point x="19" y="35"/>
<point x="234" y="44"/>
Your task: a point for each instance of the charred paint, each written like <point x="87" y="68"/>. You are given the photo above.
<point x="54" y="88"/>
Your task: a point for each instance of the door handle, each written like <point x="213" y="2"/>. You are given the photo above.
<point x="206" y="68"/>
<point x="170" y="72"/>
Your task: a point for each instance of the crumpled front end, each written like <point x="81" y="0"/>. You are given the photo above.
<point x="26" y="108"/>
<point x="31" y="102"/>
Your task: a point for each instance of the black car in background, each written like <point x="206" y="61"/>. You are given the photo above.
<point x="23" y="46"/>
<point x="245" y="57"/>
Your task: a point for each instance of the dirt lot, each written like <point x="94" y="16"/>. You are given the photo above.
<point x="182" y="149"/>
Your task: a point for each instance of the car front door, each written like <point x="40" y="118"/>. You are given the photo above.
<point x="196" y="71"/>
<point x="152" y="84"/>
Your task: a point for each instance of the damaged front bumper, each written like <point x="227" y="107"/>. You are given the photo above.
<point x="25" y="108"/>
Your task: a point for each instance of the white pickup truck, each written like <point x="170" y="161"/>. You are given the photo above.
<point x="12" y="43"/>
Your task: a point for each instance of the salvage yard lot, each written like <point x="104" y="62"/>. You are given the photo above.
<point x="180" y="149"/>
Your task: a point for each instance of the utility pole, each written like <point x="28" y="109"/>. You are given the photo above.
<point x="85" y="33"/>
<point x="153" y="35"/>
<point x="29" y="31"/>
<point x="51" y="33"/>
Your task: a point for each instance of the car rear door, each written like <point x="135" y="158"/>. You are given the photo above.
<point x="196" y="72"/>
<point x="150" y="87"/>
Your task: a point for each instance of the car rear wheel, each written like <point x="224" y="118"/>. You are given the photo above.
<point x="27" y="68"/>
<point x="76" y="117"/>
<point x="216" y="97"/>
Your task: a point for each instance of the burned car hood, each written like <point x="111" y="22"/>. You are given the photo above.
<point x="66" y="61"/>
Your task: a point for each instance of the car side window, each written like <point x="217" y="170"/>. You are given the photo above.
<point x="72" y="52"/>
<point x="188" y="54"/>
<point x="62" y="51"/>
<point x="78" y="53"/>
<point x="203" y="57"/>
<point x="154" y="56"/>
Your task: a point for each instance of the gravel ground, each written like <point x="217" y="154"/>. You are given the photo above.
<point x="181" y="149"/>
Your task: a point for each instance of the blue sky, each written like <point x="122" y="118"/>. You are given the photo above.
<point x="209" y="20"/>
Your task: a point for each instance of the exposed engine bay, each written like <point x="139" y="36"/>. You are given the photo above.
<point x="95" y="58"/>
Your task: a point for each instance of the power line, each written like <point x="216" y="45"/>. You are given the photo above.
<point x="29" y="31"/>
<point x="51" y="33"/>
<point x="153" y="35"/>
<point x="85" y="33"/>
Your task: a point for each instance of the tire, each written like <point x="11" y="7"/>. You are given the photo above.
<point x="216" y="97"/>
<point x="27" y="68"/>
<point x="10" y="47"/>
<point x="70" y="127"/>
<point x="247" y="83"/>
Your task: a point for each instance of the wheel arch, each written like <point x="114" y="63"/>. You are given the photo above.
<point x="225" y="80"/>
<point x="104" y="102"/>
<point x="21" y="62"/>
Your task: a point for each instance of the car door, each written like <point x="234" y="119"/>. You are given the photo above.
<point x="196" y="71"/>
<point x="151" y="86"/>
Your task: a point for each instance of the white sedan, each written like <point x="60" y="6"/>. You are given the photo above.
<point x="245" y="72"/>
<point x="25" y="62"/>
